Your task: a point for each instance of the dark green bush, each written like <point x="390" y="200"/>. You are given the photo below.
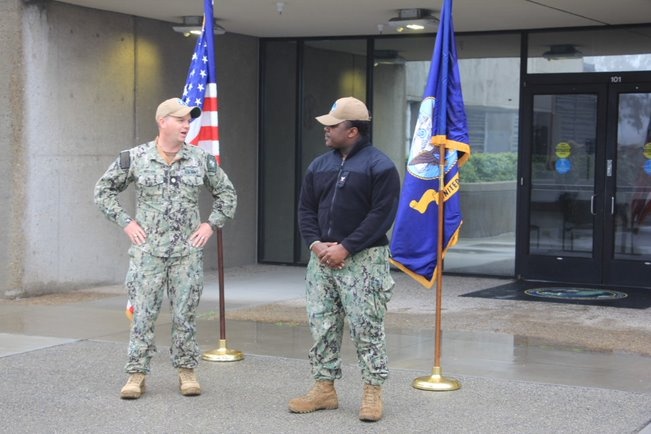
<point x="486" y="167"/>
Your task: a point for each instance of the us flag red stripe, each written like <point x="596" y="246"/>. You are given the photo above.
<point x="204" y="132"/>
<point x="201" y="89"/>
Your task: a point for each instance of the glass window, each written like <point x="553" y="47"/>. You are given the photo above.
<point x="290" y="135"/>
<point x="562" y="174"/>
<point x="594" y="50"/>
<point x="489" y="66"/>
<point x="633" y="196"/>
<point x="278" y="153"/>
<point x="332" y="68"/>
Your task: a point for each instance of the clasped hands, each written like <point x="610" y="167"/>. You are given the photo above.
<point x="332" y="255"/>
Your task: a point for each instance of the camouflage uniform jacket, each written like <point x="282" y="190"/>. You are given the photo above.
<point x="167" y="196"/>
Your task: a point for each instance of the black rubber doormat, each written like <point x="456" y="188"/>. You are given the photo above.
<point x="630" y="298"/>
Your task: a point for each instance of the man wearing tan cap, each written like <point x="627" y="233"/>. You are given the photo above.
<point x="167" y="238"/>
<point x="348" y="202"/>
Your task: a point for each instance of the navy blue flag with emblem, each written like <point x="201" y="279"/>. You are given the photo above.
<point x="441" y="121"/>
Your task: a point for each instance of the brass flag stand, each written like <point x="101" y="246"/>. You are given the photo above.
<point x="437" y="382"/>
<point x="223" y="353"/>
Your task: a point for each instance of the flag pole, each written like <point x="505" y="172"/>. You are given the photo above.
<point x="437" y="382"/>
<point x="223" y="353"/>
<point x="199" y="89"/>
<point x="441" y="124"/>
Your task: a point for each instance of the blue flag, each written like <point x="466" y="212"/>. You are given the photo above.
<point x="441" y="121"/>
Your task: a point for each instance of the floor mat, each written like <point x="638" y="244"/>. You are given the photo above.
<point x="630" y="298"/>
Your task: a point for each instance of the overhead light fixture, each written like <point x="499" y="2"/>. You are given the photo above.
<point x="413" y="19"/>
<point x="562" y="51"/>
<point x="387" y="57"/>
<point x="192" y="26"/>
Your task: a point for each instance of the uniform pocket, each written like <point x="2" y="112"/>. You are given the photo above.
<point x="382" y="280"/>
<point x="151" y="180"/>
<point x="192" y="180"/>
<point x="150" y="186"/>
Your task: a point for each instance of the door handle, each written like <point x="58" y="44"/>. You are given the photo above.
<point x="612" y="205"/>
<point x="592" y="205"/>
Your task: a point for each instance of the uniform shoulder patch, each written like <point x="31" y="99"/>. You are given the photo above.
<point x="211" y="163"/>
<point x="125" y="160"/>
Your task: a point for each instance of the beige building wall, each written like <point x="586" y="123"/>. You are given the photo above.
<point x="84" y="85"/>
<point x="12" y="152"/>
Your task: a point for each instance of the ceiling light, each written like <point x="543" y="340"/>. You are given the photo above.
<point x="192" y="25"/>
<point x="562" y="51"/>
<point x="413" y="19"/>
<point x="387" y="57"/>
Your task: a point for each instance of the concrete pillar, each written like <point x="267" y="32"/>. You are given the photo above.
<point x="12" y="148"/>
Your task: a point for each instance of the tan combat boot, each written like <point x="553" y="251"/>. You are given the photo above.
<point x="135" y="386"/>
<point x="371" y="410"/>
<point x="322" y="396"/>
<point x="188" y="382"/>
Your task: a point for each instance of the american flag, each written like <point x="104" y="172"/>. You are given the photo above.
<point x="201" y="88"/>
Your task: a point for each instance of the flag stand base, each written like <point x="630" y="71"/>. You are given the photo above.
<point x="436" y="382"/>
<point x="223" y="354"/>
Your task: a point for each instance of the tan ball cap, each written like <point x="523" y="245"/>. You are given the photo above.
<point x="345" y="109"/>
<point x="177" y="108"/>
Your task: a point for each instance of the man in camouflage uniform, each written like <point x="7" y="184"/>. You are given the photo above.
<point x="348" y="202"/>
<point x="167" y="236"/>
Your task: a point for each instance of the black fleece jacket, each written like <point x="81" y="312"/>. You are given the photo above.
<point x="352" y="201"/>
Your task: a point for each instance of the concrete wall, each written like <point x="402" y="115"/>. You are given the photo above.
<point x="238" y="78"/>
<point x="92" y="80"/>
<point x="12" y="167"/>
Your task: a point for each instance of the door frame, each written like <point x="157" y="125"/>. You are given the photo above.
<point x="571" y="269"/>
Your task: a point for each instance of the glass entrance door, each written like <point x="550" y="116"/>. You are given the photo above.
<point x="563" y="210"/>
<point x="586" y="183"/>
<point x="628" y="192"/>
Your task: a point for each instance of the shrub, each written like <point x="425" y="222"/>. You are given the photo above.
<point x="486" y="167"/>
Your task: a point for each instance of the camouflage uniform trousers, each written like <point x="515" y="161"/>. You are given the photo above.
<point x="360" y="291"/>
<point x="147" y="280"/>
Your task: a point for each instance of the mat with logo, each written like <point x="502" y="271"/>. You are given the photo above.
<point x="631" y="298"/>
